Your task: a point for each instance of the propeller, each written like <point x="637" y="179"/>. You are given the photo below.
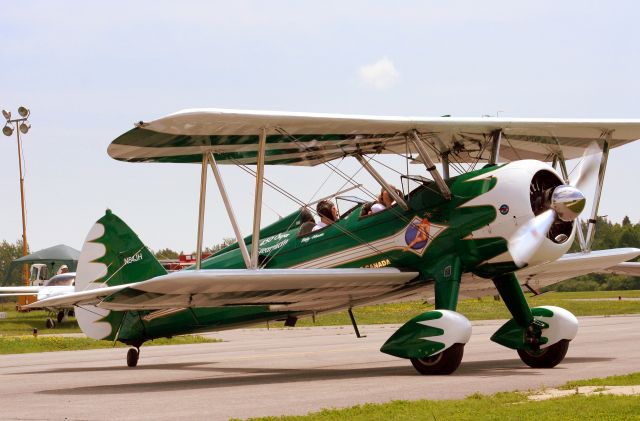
<point x="527" y="239"/>
<point x="562" y="203"/>
<point x="589" y="166"/>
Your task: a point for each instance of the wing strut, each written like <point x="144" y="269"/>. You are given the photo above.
<point x="203" y="194"/>
<point x="257" y="204"/>
<point x="230" y="213"/>
<point x="251" y="261"/>
<point x="444" y="158"/>
<point x="428" y="162"/>
<point x="591" y="228"/>
<point x="495" y="147"/>
<point x="562" y="163"/>
<point x="392" y="192"/>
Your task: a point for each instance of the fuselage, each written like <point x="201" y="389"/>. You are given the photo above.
<point x="486" y="209"/>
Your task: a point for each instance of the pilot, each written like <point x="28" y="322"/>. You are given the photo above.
<point x="328" y="214"/>
<point x="384" y="200"/>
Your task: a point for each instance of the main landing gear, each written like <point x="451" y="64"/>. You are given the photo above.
<point x="446" y="362"/>
<point x="540" y="335"/>
<point x="547" y="357"/>
<point x="132" y="356"/>
<point x="51" y="323"/>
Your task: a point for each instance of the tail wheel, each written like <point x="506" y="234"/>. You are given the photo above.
<point x="445" y="362"/>
<point x="132" y="357"/>
<point x="545" y="358"/>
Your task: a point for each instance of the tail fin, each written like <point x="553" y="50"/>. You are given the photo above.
<point x="112" y="254"/>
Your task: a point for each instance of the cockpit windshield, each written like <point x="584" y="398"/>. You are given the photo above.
<point x="65" y="279"/>
<point x="349" y="199"/>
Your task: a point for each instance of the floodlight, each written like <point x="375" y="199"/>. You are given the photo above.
<point x="7" y="130"/>
<point x="24" y="127"/>
<point x="24" y="111"/>
<point x="6" y="114"/>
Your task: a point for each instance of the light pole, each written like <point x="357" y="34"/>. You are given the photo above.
<point x="23" y="127"/>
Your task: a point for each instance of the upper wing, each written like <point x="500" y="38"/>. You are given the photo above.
<point x="574" y="264"/>
<point x="279" y="289"/>
<point x="310" y="139"/>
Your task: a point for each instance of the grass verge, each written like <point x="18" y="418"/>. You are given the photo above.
<point x="485" y="308"/>
<point x="624" y="380"/>
<point x="26" y="344"/>
<point x="501" y="406"/>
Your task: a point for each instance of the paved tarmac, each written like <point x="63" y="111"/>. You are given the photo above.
<point x="259" y="372"/>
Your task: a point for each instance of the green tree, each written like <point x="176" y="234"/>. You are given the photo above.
<point x="227" y="241"/>
<point x="167" y="253"/>
<point x="8" y="253"/>
<point x="608" y="235"/>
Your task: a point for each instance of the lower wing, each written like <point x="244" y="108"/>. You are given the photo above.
<point x="279" y="289"/>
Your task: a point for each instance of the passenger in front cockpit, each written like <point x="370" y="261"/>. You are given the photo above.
<point x="385" y="200"/>
<point x="328" y="214"/>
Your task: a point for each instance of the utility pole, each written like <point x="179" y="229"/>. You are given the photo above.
<point x="23" y="127"/>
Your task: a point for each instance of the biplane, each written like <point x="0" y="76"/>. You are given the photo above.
<point x="504" y="225"/>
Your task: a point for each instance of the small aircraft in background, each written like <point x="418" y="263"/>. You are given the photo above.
<point x="56" y="286"/>
<point x="502" y="226"/>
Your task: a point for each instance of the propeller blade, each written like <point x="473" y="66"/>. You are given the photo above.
<point x="589" y="166"/>
<point x="527" y="239"/>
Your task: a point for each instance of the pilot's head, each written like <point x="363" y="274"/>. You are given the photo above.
<point x="327" y="210"/>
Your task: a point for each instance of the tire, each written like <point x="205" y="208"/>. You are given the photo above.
<point x="132" y="357"/>
<point x="60" y="316"/>
<point x="50" y="323"/>
<point x="547" y="357"/>
<point x="445" y="362"/>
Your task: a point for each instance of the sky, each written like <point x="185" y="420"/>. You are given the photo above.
<point x="89" y="70"/>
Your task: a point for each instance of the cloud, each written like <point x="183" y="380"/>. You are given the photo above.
<point x="382" y="74"/>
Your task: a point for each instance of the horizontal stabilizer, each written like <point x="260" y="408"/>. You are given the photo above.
<point x="91" y="296"/>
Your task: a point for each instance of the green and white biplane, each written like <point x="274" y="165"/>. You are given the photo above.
<point x="505" y="226"/>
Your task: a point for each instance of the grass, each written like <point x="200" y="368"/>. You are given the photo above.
<point x="17" y="323"/>
<point x="26" y="344"/>
<point x="485" y="308"/>
<point x="507" y="406"/>
<point x="502" y="406"/>
<point x="623" y="380"/>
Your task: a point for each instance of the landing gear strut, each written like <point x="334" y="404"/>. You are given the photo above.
<point x="132" y="357"/>
<point x="50" y="323"/>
